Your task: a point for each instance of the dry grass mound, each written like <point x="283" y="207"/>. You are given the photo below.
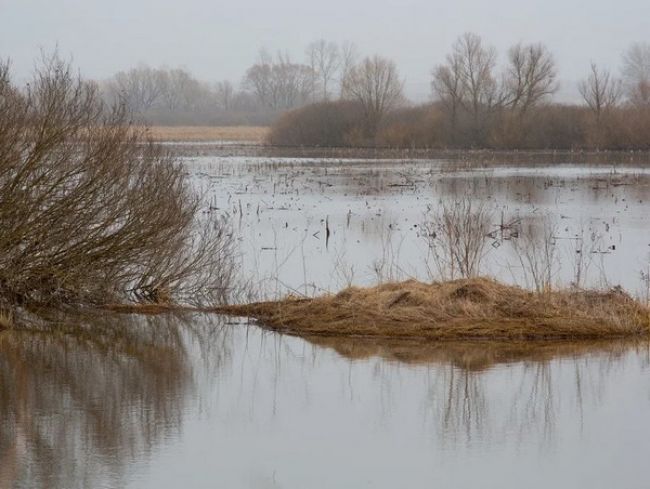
<point x="476" y="308"/>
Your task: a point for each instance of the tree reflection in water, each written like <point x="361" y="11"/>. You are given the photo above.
<point x="464" y="401"/>
<point x="81" y="399"/>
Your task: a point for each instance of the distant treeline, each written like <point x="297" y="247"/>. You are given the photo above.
<point x="271" y="86"/>
<point x="165" y="96"/>
<point x="334" y="98"/>
<point x="477" y="106"/>
<point x="548" y="126"/>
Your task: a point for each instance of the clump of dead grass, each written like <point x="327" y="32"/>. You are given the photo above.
<point x="6" y="319"/>
<point x="477" y="308"/>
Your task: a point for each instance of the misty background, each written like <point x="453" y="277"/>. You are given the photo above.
<point x="217" y="40"/>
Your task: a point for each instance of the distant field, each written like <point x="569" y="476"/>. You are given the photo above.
<point x="205" y="133"/>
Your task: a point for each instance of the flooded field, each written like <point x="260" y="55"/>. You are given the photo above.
<point x="203" y="401"/>
<point x="312" y="225"/>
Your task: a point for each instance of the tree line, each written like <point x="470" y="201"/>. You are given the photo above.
<point x="335" y="97"/>
<point x="270" y="86"/>
<point x="479" y="104"/>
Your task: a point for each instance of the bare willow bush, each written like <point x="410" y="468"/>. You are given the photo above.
<point x="537" y="252"/>
<point x="326" y="124"/>
<point x="457" y="236"/>
<point x="91" y="211"/>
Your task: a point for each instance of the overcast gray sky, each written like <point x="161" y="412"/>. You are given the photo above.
<point x="218" y="39"/>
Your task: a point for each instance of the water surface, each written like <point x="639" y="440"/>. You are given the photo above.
<point x="203" y="401"/>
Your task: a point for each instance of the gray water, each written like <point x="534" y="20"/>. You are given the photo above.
<point x="375" y="210"/>
<point x="202" y="401"/>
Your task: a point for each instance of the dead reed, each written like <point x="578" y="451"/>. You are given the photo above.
<point x="254" y="134"/>
<point x="6" y="319"/>
<point x="464" y="309"/>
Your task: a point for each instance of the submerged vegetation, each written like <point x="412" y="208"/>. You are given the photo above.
<point x="91" y="211"/>
<point x="476" y="308"/>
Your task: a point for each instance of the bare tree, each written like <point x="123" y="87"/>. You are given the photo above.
<point x="448" y="85"/>
<point x="466" y="81"/>
<point x="477" y="63"/>
<point x="600" y="91"/>
<point x="348" y="55"/>
<point x="139" y="88"/>
<point x="376" y="85"/>
<point x="324" y="60"/>
<point x="280" y="84"/>
<point x="636" y="74"/>
<point x="180" y="90"/>
<point x="530" y="76"/>
<point x="225" y="94"/>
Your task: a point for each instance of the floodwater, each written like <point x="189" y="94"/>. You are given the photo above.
<point x="203" y="401"/>
<point x="376" y="212"/>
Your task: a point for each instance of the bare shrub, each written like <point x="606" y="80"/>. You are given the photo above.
<point x="412" y="127"/>
<point x="329" y="124"/>
<point x="582" y="249"/>
<point x="92" y="212"/>
<point x="457" y="238"/>
<point x="537" y="252"/>
<point x="558" y="127"/>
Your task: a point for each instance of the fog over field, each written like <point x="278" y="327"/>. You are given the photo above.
<point x="285" y="244"/>
<point x="218" y="40"/>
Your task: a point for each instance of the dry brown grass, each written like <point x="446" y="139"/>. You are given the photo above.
<point x="464" y="309"/>
<point x="205" y="133"/>
<point x="6" y="319"/>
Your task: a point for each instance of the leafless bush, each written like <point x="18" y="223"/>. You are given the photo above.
<point x="329" y="124"/>
<point x="90" y="211"/>
<point x="537" y="252"/>
<point x="457" y="238"/>
<point x="412" y="127"/>
<point x="582" y="249"/>
<point x="645" y="279"/>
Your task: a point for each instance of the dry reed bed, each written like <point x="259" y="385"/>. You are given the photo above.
<point x="208" y="133"/>
<point x="466" y="309"/>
